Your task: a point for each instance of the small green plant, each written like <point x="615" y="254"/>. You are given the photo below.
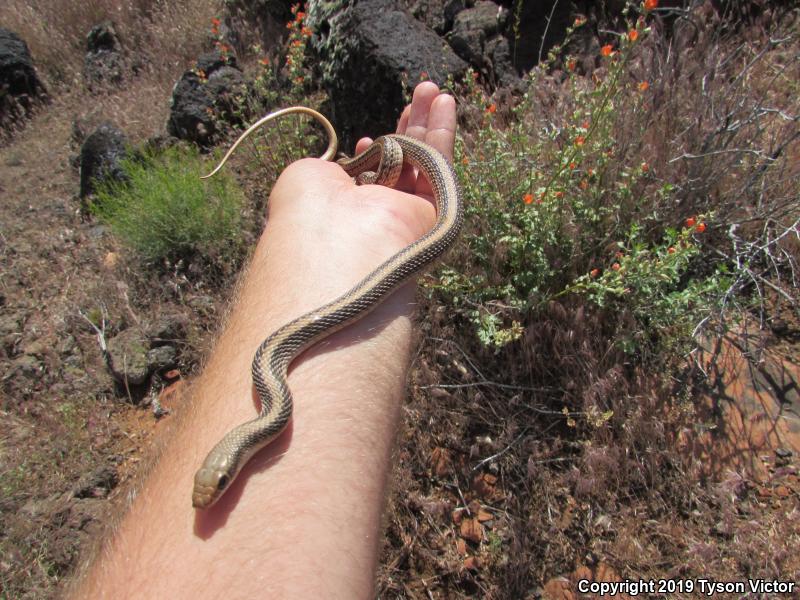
<point x="165" y="212"/>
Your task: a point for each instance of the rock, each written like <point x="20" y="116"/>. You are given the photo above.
<point x="161" y="358"/>
<point x="370" y="49"/>
<point x="473" y="26"/>
<point x="20" y="87"/>
<point x="471" y="530"/>
<point x="26" y="365"/>
<point x="191" y="112"/>
<point x="104" y="62"/>
<point x="472" y="563"/>
<point x="101" y="157"/>
<point x="213" y="61"/>
<point x="97" y="483"/>
<point x="10" y="333"/>
<point x="168" y="329"/>
<point x="200" y="97"/>
<point x="128" y="357"/>
<point x="438" y="14"/>
<point x="227" y="87"/>
<point x="537" y="20"/>
<point x="498" y="53"/>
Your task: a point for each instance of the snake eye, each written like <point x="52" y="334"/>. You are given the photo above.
<point x="223" y="481"/>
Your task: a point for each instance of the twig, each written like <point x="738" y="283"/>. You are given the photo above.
<point x="546" y="28"/>
<point x="499" y="454"/>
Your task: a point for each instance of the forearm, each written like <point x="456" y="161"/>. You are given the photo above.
<point x="303" y="517"/>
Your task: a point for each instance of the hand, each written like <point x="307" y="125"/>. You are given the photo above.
<point x="340" y="232"/>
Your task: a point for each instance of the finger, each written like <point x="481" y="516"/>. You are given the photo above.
<point x="402" y="122"/>
<point x="417" y="126"/>
<point x="424" y="95"/>
<point x="362" y="145"/>
<point x="441" y="132"/>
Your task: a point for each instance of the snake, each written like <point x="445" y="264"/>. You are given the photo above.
<point x="381" y="163"/>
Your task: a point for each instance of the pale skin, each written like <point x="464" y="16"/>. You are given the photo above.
<point x="303" y="518"/>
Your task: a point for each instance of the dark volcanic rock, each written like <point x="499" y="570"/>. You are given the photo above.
<point x="103" y="62"/>
<point x="100" y="157"/>
<point x="19" y="84"/>
<point x="473" y="26"/>
<point x="202" y="96"/>
<point x="437" y="14"/>
<point x="371" y="47"/>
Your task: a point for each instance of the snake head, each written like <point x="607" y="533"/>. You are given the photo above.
<point x="210" y="482"/>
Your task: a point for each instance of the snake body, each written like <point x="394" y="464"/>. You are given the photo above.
<point x="381" y="163"/>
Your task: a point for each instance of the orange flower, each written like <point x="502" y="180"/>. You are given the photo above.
<point x="571" y="64"/>
<point x="573" y="165"/>
<point x="492" y="108"/>
<point x="585" y="125"/>
<point x="594" y="272"/>
<point x="300" y="16"/>
<point x="527" y="198"/>
<point x="607" y="50"/>
<point x="671" y="250"/>
<point x="580" y="140"/>
<point x="215" y="22"/>
<point x="701" y="227"/>
<point x="650" y="4"/>
<point x="465" y="161"/>
<point x="559" y="194"/>
<point x="306" y="31"/>
<point x="264" y="61"/>
<point x="633" y="35"/>
<point x="579" y="20"/>
<point x="644" y="86"/>
<point x="616" y="267"/>
<point x="423" y="76"/>
<point x="690" y="222"/>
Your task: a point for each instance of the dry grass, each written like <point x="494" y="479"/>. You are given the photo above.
<point x="159" y="39"/>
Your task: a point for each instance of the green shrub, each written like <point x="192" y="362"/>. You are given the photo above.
<point x="583" y="188"/>
<point x="166" y="213"/>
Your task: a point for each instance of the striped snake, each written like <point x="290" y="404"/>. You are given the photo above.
<point x="381" y="163"/>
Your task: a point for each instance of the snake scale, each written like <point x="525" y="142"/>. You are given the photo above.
<point x="382" y="164"/>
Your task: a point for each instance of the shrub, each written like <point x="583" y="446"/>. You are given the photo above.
<point x="582" y="189"/>
<point x="165" y="212"/>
